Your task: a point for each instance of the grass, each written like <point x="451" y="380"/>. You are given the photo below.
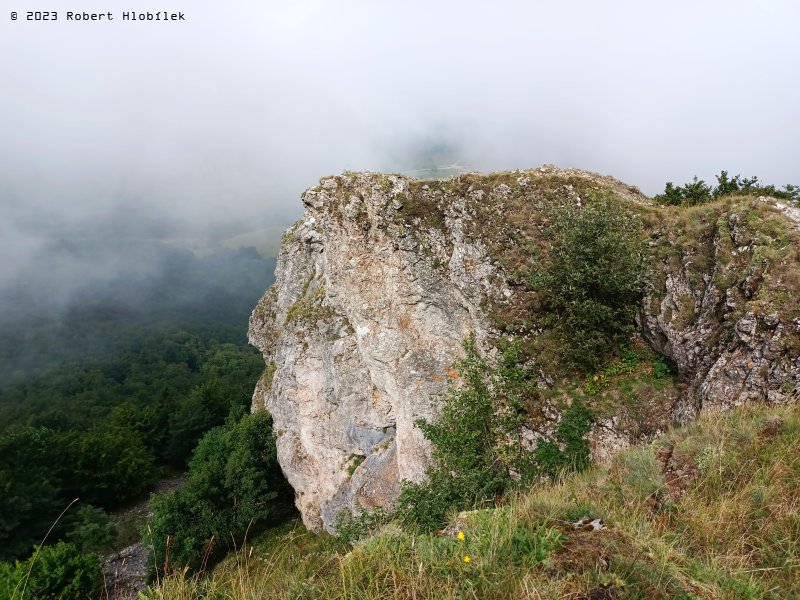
<point x="742" y="242"/>
<point x="711" y="510"/>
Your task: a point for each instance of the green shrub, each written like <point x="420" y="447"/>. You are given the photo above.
<point x="698" y="192"/>
<point x="233" y="480"/>
<point x="89" y="528"/>
<point x="478" y="453"/>
<point x="36" y="477"/>
<point x="570" y="449"/>
<point x="596" y="278"/>
<point x="58" y="572"/>
<point x="104" y="465"/>
<point x="29" y="489"/>
<point x="661" y="368"/>
<point x="466" y="467"/>
<point x="350" y="528"/>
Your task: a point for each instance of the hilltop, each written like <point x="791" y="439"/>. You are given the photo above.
<point x="531" y="384"/>
<point x="384" y="278"/>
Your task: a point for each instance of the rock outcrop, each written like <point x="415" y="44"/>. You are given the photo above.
<point x="385" y="276"/>
<point x="723" y="310"/>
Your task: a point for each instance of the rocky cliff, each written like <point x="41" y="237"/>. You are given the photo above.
<point x="385" y="276"/>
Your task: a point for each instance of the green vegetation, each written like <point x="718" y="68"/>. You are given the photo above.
<point x="478" y="448"/>
<point x="351" y="528"/>
<point x="57" y="572"/>
<point x="310" y="306"/>
<point x="569" y="451"/>
<point x="234" y="478"/>
<point x="510" y="507"/>
<point x="726" y="528"/>
<point x="101" y="432"/>
<point x="102" y="397"/>
<point x="750" y="247"/>
<point x="595" y="280"/>
<point x="698" y="192"/>
<point x="466" y="469"/>
<point x="495" y="516"/>
<point x="160" y="289"/>
<point x="355" y="462"/>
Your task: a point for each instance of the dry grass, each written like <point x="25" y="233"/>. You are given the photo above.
<point x="711" y="510"/>
<point x="708" y="511"/>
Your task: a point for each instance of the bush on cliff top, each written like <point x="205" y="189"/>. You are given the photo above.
<point x="595" y="280"/>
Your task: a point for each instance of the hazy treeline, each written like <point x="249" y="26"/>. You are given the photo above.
<point x="48" y="322"/>
<point x="116" y="355"/>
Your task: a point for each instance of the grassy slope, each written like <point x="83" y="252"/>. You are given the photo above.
<point x="708" y="511"/>
<point x="711" y="510"/>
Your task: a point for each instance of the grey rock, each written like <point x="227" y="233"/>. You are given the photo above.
<point x="370" y="308"/>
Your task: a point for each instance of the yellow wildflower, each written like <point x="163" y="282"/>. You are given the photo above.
<point x="467" y="558"/>
<point x="460" y="535"/>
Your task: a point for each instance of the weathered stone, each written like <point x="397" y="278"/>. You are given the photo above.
<point x="374" y="295"/>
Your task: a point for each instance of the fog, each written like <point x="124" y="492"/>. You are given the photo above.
<point x="208" y="128"/>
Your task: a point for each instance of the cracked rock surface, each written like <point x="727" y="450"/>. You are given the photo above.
<point x="385" y="276"/>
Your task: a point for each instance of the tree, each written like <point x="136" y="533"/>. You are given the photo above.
<point x="233" y="480"/>
<point x="478" y="453"/>
<point x="29" y="490"/>
<point x="470" y="442"/>
<point x="105" y="466"/>
<point x="726" y="185"/>
<point x="596" y="278"/>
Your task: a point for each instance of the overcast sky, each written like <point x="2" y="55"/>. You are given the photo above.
<point x="245" y="104"/>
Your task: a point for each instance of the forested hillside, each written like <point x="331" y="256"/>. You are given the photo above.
<point x="108" y="388"/>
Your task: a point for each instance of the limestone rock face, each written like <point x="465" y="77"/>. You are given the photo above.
<point x="385" y="276"/>
<point x="362" y="329"/>
<point x="718" y="321"/>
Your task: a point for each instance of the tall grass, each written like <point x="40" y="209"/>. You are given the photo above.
<point x="719" y="518"/>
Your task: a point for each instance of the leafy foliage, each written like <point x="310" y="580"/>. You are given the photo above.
<point x="465" y="468"/>
<point x="29" y="490"/>
<point x="478" y="453"/>
<point x="595" y="278"/>
<point x="233" y="479"/>
<point x="104" y="387"/>
<point x="89" y="528"/>
<point x="570" y="449"/>
<point x="661" y="368"/>
<point x="57" y="572"/>
<point x="103" y="465"/>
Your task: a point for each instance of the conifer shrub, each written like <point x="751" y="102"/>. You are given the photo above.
<point x="699" y="192"/>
